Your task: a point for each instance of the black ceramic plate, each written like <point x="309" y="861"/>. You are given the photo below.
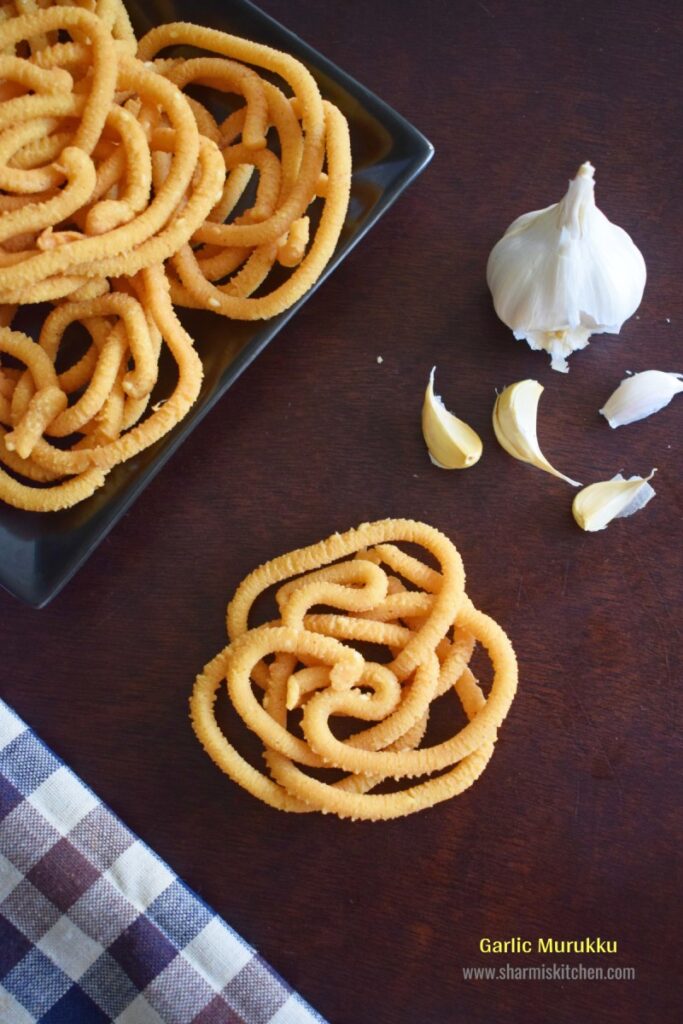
<point x="39" y="553"/>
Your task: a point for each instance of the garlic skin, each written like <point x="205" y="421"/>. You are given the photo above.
<point x="514" y="423"/>
<point x="561" y="274"/>
<point x="641" y="395"/>
<point x="451" y="443"/>
<point x="595" y="506"/>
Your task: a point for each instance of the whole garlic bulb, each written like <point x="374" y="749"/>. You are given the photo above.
<point x="561" y="274"/>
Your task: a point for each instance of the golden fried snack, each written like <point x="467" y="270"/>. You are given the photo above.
<point x="311" y="662"/>
<point x="276" y="227"/>
<point x="120" y="194"/>
<point x="30" y="420"/>
<point x="93" y="33"/>
<point x="196" y="291"/>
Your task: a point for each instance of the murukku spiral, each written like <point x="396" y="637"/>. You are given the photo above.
<point x="121" y="196"/>
<point x="294" y="678"/>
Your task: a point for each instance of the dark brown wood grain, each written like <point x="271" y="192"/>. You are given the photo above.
<point x="575" y="828"/>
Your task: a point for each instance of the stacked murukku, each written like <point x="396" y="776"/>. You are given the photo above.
<point x="300" y="681"/>
<point x="121" y="195"/>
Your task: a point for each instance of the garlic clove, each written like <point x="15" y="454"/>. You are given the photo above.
<point x="641" y="395"/>
<point x="595" y="506"/>
<point x="564" y="273"/>
<point x="450" y="442"/>
<point x="514" y="423"/>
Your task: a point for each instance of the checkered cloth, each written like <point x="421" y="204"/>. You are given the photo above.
<point x="95" y="928"/>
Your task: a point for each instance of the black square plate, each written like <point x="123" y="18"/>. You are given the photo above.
<point x="39" y="553"/>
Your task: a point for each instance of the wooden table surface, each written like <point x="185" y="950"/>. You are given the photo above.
<point x="574" y="829"/>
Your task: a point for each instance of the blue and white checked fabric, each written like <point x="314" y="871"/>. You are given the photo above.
<point x="95" y="928"/>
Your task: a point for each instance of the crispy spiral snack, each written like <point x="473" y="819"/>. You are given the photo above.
<point x="306" y="661"/>
<point x="121" y="196"/>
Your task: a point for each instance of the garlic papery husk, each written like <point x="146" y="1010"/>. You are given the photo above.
<point x="450" y="442"/>
<point x="595" y="506"/>
<point x="641" y="395"/>
<point x="561" y="274"/>
<point x="514" y="423"/>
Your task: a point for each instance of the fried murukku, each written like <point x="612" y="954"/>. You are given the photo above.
<point x="312" y="671"/>
<point x="121" y="195"/>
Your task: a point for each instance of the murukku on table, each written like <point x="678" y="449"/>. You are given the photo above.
<point x="314" y="664"/>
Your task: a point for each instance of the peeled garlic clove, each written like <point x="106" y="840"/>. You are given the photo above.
<point x="561" y="274"/>
<point x="450" y="442"/>
<point x="595" y="506"/>
<point x="641" y="395"/>
<point x="514" y="423"/>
